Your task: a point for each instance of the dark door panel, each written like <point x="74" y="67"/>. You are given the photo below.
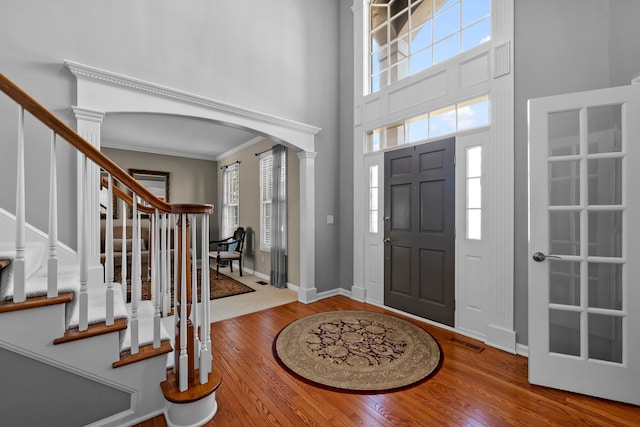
<point x="420" y="237"/>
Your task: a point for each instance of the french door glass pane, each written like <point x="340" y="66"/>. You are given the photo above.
<point x="605" y="124"/>
<point x="564" y="183"/>
<point x="564" y="233"/>
<point x="605" y="285"/>
<point x="564" y="133"/>
<point x="564" y="282"/>
<point x="605" y="181"/>
<point x="605" y="337"/>
<point x="605" y="234"/>
<point x="564" y="332"/>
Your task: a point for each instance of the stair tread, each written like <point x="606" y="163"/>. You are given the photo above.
<point x="33" y="302"/>
<point x="145" y="352"/>
<point x="93" y="330"/>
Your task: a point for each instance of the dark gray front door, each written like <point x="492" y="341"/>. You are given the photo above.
<point x="419" y="231"/>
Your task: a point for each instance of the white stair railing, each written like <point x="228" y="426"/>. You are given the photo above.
<point x="168" y="222"/>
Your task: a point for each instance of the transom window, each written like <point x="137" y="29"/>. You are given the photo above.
<point x="409" y="36"/>
<point x="447" y="120"/>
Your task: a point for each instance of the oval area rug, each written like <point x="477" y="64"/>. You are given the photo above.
<point x="357" y="350"/>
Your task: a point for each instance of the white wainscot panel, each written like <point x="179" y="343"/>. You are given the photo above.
<point x="372" y="110"/>
<point x="475" y="71"/>
<point x="474" y="288"/>
<point x="472" y="314"/>
<point x="373" y="275"/>
<point x="419" y="92"/>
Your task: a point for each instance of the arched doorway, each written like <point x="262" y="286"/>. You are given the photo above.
<point x="100" y="92"/>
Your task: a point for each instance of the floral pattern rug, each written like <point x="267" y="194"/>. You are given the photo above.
<point x="357" y="350"/>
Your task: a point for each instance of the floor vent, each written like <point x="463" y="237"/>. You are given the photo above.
<point x="262" y="282"/>
<point x="467" y="344"/>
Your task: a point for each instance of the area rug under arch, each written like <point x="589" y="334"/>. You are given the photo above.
<point x="358" y="351"/>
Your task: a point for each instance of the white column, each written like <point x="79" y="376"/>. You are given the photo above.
<point x="307" y="292"/>
<point x="88" y="126"/>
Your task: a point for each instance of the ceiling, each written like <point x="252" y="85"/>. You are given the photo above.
<point x="173" y="135"/>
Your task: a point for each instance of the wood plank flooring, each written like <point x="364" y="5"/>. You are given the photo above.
<point x="474" y="387"/>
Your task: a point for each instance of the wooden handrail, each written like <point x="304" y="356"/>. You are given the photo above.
<point x="71" y="136"/>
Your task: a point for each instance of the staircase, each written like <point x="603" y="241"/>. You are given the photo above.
<point x="63" y="310"/>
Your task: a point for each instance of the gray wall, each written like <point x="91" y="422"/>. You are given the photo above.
<point x="562" y="47"/>
<point x="42" y="395"/>
<point x="279" y="57"/>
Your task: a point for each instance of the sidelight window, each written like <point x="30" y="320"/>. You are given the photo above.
<point x="474" y="193"/>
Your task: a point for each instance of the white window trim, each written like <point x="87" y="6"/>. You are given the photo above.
<point x="265" y="244"/>
<point x="227" y="228"/>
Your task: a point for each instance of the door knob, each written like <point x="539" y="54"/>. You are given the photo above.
<point x="387" y="239"/>
<point x="539" y="256"/>
<point x="387" y="219"/>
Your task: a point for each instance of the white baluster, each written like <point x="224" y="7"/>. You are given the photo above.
<point x="176" y="236"/>
<point x="135" y="278"/>
<point x="52" y="263"/>
<point x="19" y="278"/>
<point x="123" y="252"/>
<point x="184" y="361"/>
<point x="194" y="291"/>
<point x="165" y="266"/>
<point x="205" y="346"/>
<point x="83" y="323"/>
<point x="155" y="279"/>
<point x="109" y="252"/>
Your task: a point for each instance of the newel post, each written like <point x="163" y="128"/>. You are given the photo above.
<point x="184" y="328"/>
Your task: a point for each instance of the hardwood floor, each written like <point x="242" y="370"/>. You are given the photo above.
<point x="472" y="388"/>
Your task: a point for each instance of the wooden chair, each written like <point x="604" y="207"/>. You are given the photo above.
<point x="228" y="250"/>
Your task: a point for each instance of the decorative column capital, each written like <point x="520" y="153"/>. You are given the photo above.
<point x="88" y="114"/>
<point x="306" y="155"/>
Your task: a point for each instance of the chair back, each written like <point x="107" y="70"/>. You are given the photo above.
<point x="239" y="236"/>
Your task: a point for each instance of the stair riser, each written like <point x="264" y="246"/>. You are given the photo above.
<point x="27" y="328"/>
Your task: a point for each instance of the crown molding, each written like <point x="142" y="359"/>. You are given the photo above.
<point x="87" y="72"/>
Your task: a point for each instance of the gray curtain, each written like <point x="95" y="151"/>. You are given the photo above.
<point x="279" y="218"/>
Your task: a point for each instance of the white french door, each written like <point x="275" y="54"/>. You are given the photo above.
<point x="584" y="266"/>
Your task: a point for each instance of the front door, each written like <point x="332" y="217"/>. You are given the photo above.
<point x="419" y="229"/>
<point x="584" y="267"/>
